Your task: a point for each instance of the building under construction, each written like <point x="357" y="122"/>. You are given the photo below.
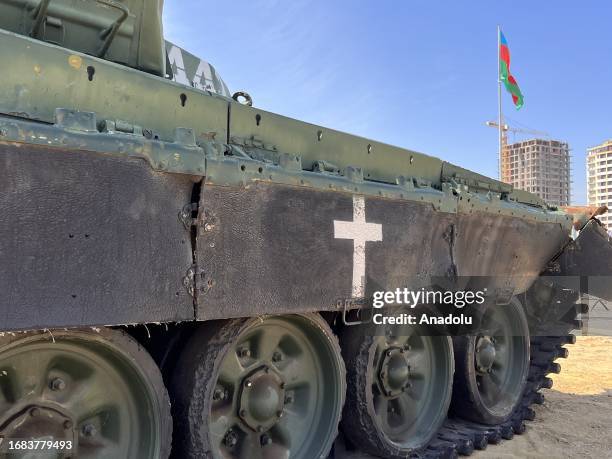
<point x="539" y="166"/>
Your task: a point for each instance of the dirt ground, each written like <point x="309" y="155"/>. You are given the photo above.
<point x="576" y="418"/>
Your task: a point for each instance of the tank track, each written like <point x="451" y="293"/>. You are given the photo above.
<point x="459" y="437"/>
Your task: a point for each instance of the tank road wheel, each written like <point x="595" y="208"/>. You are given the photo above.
<point x="399" y="387"/>
<point x="99" y="390"/>
<point x="492" y="367"/>
<point x="269" y="387"/>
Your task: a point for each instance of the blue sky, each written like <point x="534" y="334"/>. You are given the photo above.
<point x="417" y="74"/>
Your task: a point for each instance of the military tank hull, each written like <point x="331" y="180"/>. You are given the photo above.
<point x="172" y="257"/>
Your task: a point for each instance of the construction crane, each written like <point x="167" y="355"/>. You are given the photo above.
<point x="504" y="142"/>
<point x="514" y="130"/>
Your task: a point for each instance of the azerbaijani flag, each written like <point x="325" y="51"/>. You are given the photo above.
<point x="504" y="72"/>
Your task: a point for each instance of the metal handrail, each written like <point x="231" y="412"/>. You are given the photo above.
<point x="109" y="33"/>
<point x="40" y="12"/>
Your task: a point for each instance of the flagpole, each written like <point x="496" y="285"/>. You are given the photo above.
<point x="499" y="105"/>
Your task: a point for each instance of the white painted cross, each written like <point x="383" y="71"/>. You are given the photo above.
<point x="360" y="232"/>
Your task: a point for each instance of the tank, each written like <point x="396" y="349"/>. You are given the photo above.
<point x="186" y="275"/>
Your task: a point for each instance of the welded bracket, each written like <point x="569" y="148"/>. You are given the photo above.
<point x="186" y="215"/>
<point x="354" y="306"/>
<point x="193" y="276"/>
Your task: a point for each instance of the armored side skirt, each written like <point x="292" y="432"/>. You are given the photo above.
<point x="91" y="239"/>
<point x="268" y="248"/>
<point x="88" y="239"/>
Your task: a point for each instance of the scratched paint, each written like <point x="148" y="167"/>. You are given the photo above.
<point x="75" y="61"/>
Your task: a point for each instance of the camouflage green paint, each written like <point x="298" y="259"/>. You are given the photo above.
<point x="234" y="140"/>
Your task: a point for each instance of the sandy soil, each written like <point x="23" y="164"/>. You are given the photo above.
<point x="576" y="418"/>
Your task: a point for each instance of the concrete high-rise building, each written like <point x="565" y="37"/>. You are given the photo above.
<point x="599" y="179"/>
<point x="539" y="166"/>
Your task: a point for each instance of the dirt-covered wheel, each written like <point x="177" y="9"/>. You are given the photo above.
<point x="492" y="366"/>
<point x="259" y="388"/>
<point x="98" y="394"/>
<point x="399" y="387"/>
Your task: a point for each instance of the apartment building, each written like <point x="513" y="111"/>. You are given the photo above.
<point x="539" y="166"/>
<point x="599" y="179"/>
